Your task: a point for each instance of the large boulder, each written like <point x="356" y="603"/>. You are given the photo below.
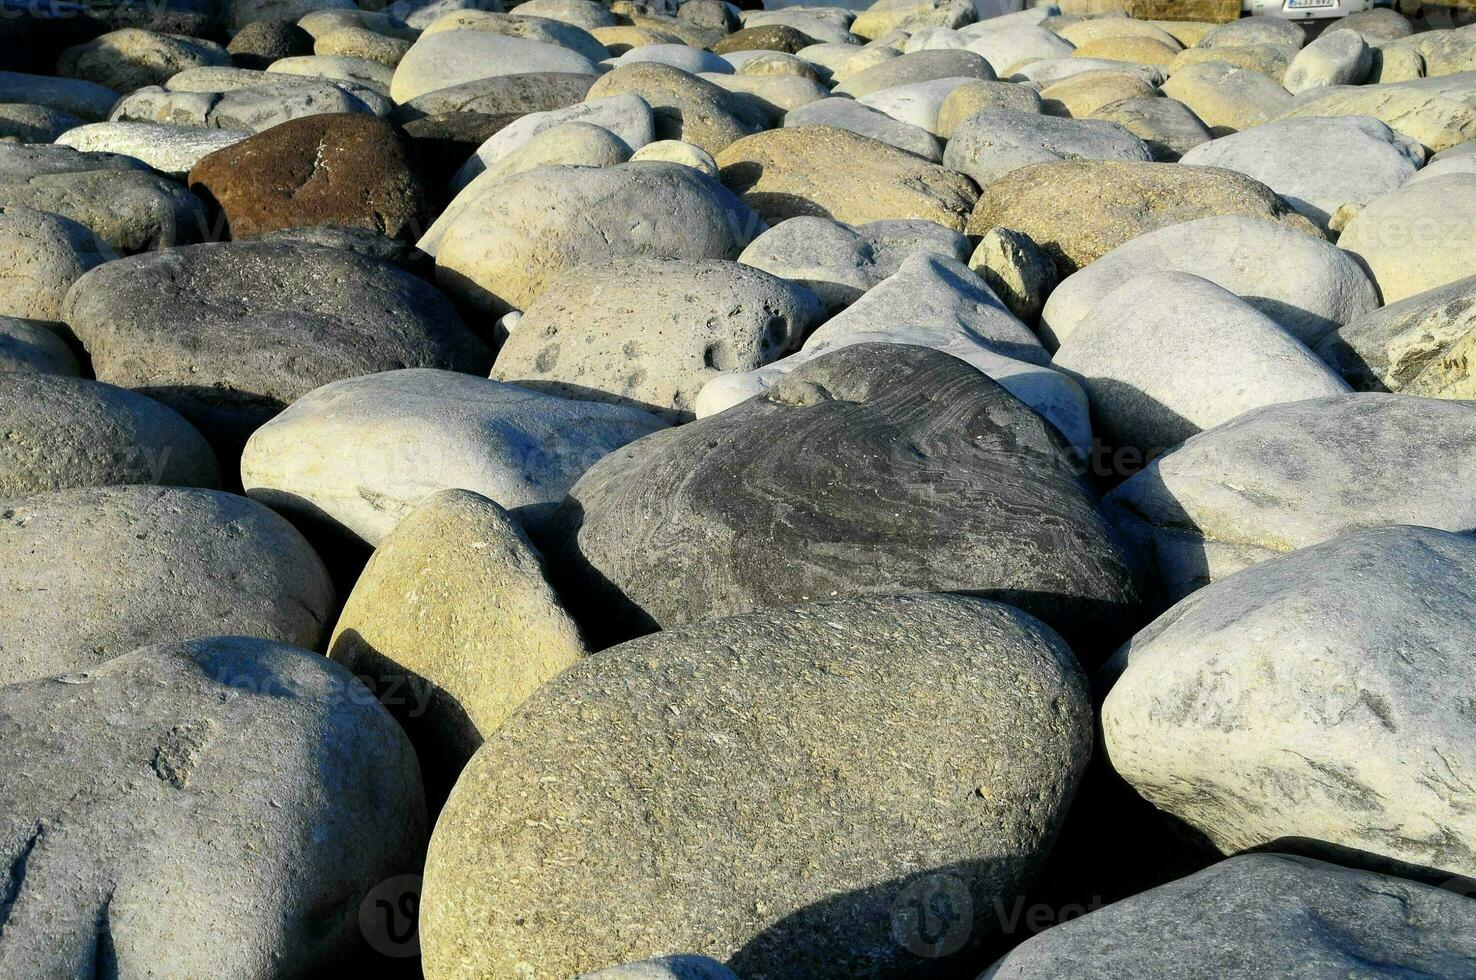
<point x="917" y="472"/>
<point x="993" y="142"/>
<point x="1417" y="238"/>
<point x="1259" y="915"/>
<point x="1342" y="712"/>
<point x="130" y="59"/>
<point x="1004" y="49"/>
<point x="1339" y="58"/>
<point x="1420" y="345"/>
<point x="1167" y="355"/>
<point x="1289" y="476"/>
<point x="1168" y="127"/>
<point x="1305" y="284"/>
<point x="919" y="66"/>
<point x="848" y="114"/>
<point x="34" y="345"/>
<point x="500" y="95"/>
<point x="532" y="227"/>
<point x="86" y="100"/>
<point x="67" y="432"/>
<point x="220" y="807"/>
<point x="362" y="453"/>
<point x="686" y="107"/>
<point x="230" y="334"/>
<point x="91" y="573"/>
<point x="1437" y="113"/>
<point x="32" y="123"/>
<point x="171" y="150"/>
<point x="442" y="59"/>
<point x="1226" y="98"/>
<point x="127" y="210"/>
<point x="833" y="173"/>
<point x="1077" y="211"/>
<point x="811" y="707"/>
<point x="650" y="332"/>
<point x="885" y="16"/>
<point x="268" y="101"/>
<point x="44" y="254"/>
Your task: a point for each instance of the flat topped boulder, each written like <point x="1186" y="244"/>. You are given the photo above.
<point x="755" y="742"/>
<point x="230" y="334"/>
<point x="171" y="150"/>
<point x="445" y="58"/>
<point x="127" y="210"/>
<point x="1438" y="112"/>
<point x="94" y="572"/>
<point x="833" y="173"/>
<point x="875" y="468"/>
<point x="252" y="104"/>
<point x="993" y="142"/>
<point x="239" y="796"/>
<point x="919" y="66"/>
<point x="1078" y="211"/>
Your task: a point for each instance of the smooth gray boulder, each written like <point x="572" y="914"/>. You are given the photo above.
<point x="1048" y="71"/>
<point x="41" y="256"/>
<point x="18" y="162"/>
<point x="445" y="58"/>
<point x="32" y="123"/>
<point x="130" y="58"/>
<point x="230" y="334"/>
<point x="1336" y="58"/>
<point x="919" y="66"/>
<point x="1420" y="345"/>
<point x="270" y="100"/>
<point x="1318" y="165"/>
<point x="692" y="60"/>
<point x="86" y="100"/>
<point x="1259" y="915"/>
<point x="1168" y="355"/>
<point x="920" y="103"/>
<point x="992" y="142"/>
<point x="500" y="95"/>
<point x="1290" y="476"/>
<point x="989" y="706"/>
<point x="918" y="472"/>
<point x="171" y="150"/>
<point x="849" y="114"/>
<point x="1255" y="30"/>
<point x="1005" y="49"/>
<point x="1343" y="711"/>
<point x="581" y="13"/>
<point x="238" y="796"/>
<point x="1166" y="126"/>
<point x="1419" y="237"/>
<point x="1305" y="284"/>
<point x="68" y="432"/>
<point x="33" y="345"/>
<point x="128" y="210"/>
<point x="90" y="573"/>
<point x="650" y="332"/>
<point x="522" y="234"/>
<point x="361" y="453"/>
<point x="840" y="262"/>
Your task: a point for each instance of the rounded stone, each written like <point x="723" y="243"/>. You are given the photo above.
<point x="446" y="58"/>
<point x="262" y="42"/>
<point x="33" y="345"/>
<point x="1417" y="238"/>
<point x="31" y="123"/>
<point x="127" y="210"/>
<point x="769" y="37"/>
<point x="130" y="59"/>
<point x="43" y="255"/>
<point x="685" y="107"/>
<point x="171" y="150"/>
<point x="677" y="151"/>
<point x="1083" y="94"/>
<point x="919" y="66"/>
<point x="994" y="142"/>
<point x="1228" y="99"/>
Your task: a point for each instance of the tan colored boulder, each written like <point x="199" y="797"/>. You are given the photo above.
<point x="1227" y="99"/>
<point x="686" y="107"/>
<point x="1082" y="95"/>
<point x="1268" y="59"/>
<point x="973" y="97"/>
<point x="1139" y="50"/>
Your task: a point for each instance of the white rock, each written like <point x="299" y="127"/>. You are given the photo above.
<point x="916" y="104"/>
<point x="1004" y="49"/>
<point x="692" y="60"/>
<point x="1338" y="58"/>
<point x="859" y="118"/>
<point x="1419" y="237"/>
<point x="169" y="149"/>
<point x="448" y="58"/>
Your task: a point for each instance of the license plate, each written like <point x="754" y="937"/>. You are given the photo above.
<point x="1310" y="4"/>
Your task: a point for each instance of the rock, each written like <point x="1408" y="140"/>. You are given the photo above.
<point x="683" y="966"/>
<point x="359" y="71"/>
<point x="1168" y="355"/>
<point x="543" y="30"/>
<point x="1417" y="346"/>
<point x="1317" y="165"/>
<point x="171" y="150"/>
<point x="710" y="13"/>
<point x="1440" y="168"/>
<point x="43" y="255"/>
<point x="1291" y="476"/>
<point x="841" y="262"/>
<point x="917" y="104"/>
<point x="772" y="95"/>
<point x="965" y="100"/>
<point x="1018" y="272"/>
<point x="981" y="684"/>
<point x="530" y="228"/>
<point x="1374" y="24"/>
<point x="66" y="432"/>
<point x="85" y="100"/>
<point x="850" y="115"/>
<point x="857" y="62"/>
<point x="833" y="173"/>
<point x="365" y="241"/>
<point x="1004" y="49"/>
<point x="1228" y="99"/>
<point x="1311" y="288"/>
<point x="1446" y="52"/>
<point x="1321" y="767"/>
<point x="453" y="625"/>
<point x="1092" y="29"/>
<point x="1417" y="238"/>
<point x="1339" y="58"/>
<point x="775" y="63"/>
<point x="501" y="95"/>
<point x="1139" y="50"/>
<point x="1278" y="912"/>
<point x="690" y="34"/>
<point x="262" y="42"/>
<point x="358" y="42"/>
<point x="240" y="796"/>
<point x="693" y="61"/>
<point x="31" y="123"/>
<point x="676" y="151"/>
<point x="1078" y="211"/>
<point x="448" y="58"/>
<point x="875" y="489"/>
<point x="19" y="162"/>
<point x="1437" y="118"/>
<point x="766" y="37"/>
<point x="299" y="316"/>
<point x="130" y="59"/>
<point x="432" y="430"/>
<point x="345" y="169"/>
<point x="994" y="142"/>
<point x="243" y="12"/>
<point x="30" y="345"/>
<point x="127" y="210"/>
<point x="94" y="572"/>
<point x="1052" y="70"/>
<point x="254" y="108"/>
<point x="1270" y="60"/>
<point x="909" y="69"/>
<point x="1166" y="125"/>
<point x="1081" y="95"/>
<point x="885" y="16"/>
<point x="1256" y="30"/>
<point x="1394" y="63"/>
<point x="685" y="107"/>
<point x="650" y="332"/>
<point x="581" y="13"/>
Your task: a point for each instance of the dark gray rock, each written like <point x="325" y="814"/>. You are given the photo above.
<point x="128" y="210"/>
<point x="31" y="345"/>
<point x="262" y="42"/>
<point x="230" y="334"/>
<point x="500" y="95"/>
<point x="875" y="468"/>
<point x="758" y="765"/>
<point x="91" y="573"/>
<point x="86" y="100"/>
<point x="34" y="123"/>
<point x="237" y="796"/>
<point x="23" y="162"/>
<point x="365" y="241"/>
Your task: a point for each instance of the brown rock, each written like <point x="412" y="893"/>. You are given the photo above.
<point x="770" y="37"/>
<point x="1214" y="11"/>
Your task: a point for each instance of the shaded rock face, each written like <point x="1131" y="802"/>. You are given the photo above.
<point x="156" y="323"/>
<point x="333" y="169"/>
<point x="236" y="796"/>
<point x="33" y="345"/>
<point x="799" y="789"/>
<point x="1324" y="697"/>
<point x="1261" y="915"/>
<point x="92" y="573"/>
<point x="876" y="468"/>
<point x="125" y="210"/>
<point x="1418" y="346"/>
